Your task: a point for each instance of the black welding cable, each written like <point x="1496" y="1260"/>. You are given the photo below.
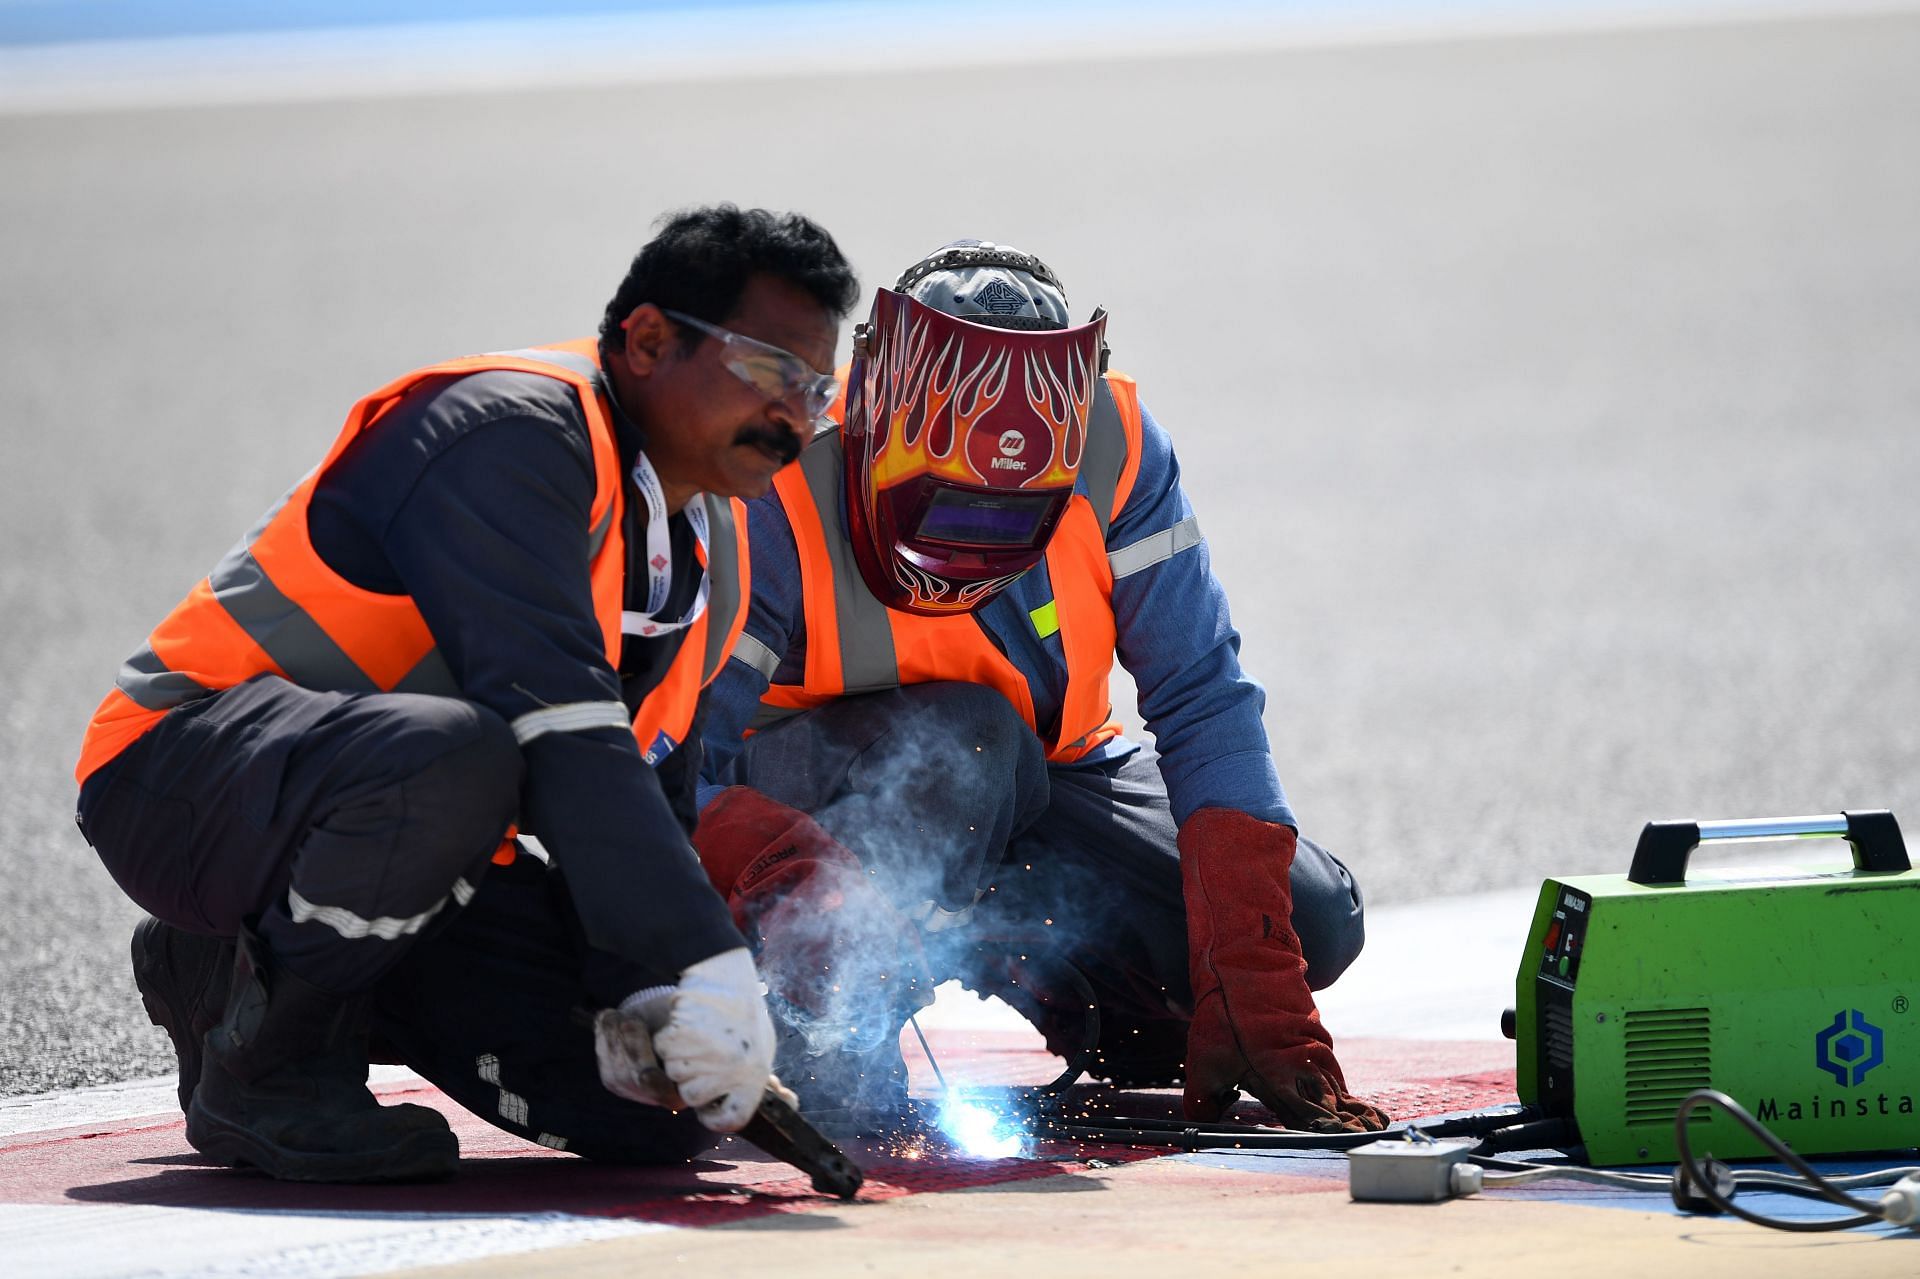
<point x="1194" y="1137"/>
<point x="1473" y="1125"/>
<point x="1538" y="1134"/>
<point x="1868" y="1214"/>
<point x="1480" y="1122"/>
<point x="1149" y="1123"/>
<point x="1187" y="1135"/>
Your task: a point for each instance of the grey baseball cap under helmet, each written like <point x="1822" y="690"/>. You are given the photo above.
<point x="988" y="283"/>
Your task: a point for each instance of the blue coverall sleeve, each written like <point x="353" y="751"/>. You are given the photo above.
<point x="775" y="633"/>
<point x="1174" y="636"/>
<point x="492" y="544"/>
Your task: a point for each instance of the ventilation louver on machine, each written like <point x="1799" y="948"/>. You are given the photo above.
<point x="1668" y="1055"/>
<point x="1802" y="977"/>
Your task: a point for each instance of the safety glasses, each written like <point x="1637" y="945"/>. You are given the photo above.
<point x="769" y="370"/>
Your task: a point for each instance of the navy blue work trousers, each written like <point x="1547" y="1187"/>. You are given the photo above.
<point x="354" y="833"/>
<point x="339" y="825"/>
<point x="496" y="1009"/>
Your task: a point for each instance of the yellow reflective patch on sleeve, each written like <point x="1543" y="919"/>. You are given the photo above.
<point x="1046" y="619"/>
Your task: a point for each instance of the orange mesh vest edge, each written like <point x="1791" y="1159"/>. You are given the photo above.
<point x="273" y="605"/>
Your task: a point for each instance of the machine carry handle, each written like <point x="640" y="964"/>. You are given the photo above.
<point x="1661" y="855"/>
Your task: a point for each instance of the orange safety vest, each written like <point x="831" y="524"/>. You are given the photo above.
<point x="855" y="644"/>
<point x="274" y="606"/>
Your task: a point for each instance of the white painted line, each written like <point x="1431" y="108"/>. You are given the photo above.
<point x="135" y="1099"/>
<point x="88" y="1241"/>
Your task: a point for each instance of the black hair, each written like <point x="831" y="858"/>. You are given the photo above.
<point x="701" y="261"/>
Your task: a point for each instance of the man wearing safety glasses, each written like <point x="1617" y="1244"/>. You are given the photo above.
<point x="493" y="605"/>
<point x="934" y="786"/>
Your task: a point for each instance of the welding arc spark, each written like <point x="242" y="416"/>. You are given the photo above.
<point x="978" y="1130"/>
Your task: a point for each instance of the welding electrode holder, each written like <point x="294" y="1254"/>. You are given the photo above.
<point x="779" y="1130"/>
<point x="1664" y="848"/>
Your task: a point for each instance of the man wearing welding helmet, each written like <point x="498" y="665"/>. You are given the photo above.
<point x="912" y="769"/>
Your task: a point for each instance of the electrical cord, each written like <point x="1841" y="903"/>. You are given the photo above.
<point x="1696" y="1185"/>
<point x="1509" y="1172"/>
<point x="1793" y="1185"/>
<point x="1424" y="1169"/>
<point x="1706" y="1185"/>
<point x="1642" y="1182"/>
<point x="1704" y="1181"/>
<point x="1514" y="1172"/>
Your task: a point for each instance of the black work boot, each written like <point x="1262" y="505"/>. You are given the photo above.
<point x="183" y="979"/>
<point x="283" y="1087"/>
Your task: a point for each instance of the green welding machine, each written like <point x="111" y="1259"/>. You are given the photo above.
<point x="1792" y="991"/>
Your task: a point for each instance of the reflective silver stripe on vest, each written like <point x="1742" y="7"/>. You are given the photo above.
<point x="429" y="675"/>
<point x="597" y="535"/>
<point x="284" y="630"/>
<point x="145" y="679"/>
<point x="562" y="359"/>
<point x="260" y="525"/>
<point x="723" y="582"/>
<point x="1106" y="454"/>
<point x="147" y="682"/>
<point x="1154" y="547"/>
<point x="757" y="655"/>
<point x="866" y="639"/>
<point x="572" y="717"/>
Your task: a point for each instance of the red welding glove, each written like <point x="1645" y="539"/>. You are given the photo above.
<point x="826" y="940"/>
<point x="1254" y="1023"/>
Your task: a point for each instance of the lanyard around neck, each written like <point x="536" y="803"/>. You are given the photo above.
<point x="660" y="556"/>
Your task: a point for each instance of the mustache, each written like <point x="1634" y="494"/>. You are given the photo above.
<point x="782" y="443"/>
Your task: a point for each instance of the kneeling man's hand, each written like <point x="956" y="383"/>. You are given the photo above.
<point x="1254" y="1021"/>
<point x="706" y="1043"/>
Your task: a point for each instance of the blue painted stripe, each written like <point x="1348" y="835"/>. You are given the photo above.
<point x="42" y="22"/>
<point x="27" y="22"/>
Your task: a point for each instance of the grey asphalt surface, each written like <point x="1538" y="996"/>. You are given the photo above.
<point x="1549" y="403"/>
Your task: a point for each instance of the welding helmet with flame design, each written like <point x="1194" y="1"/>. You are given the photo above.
<point x="963" y="434"/>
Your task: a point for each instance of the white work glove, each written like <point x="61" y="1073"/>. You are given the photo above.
<point x="623" y="1047"/>
<point x="717" y="1043"/>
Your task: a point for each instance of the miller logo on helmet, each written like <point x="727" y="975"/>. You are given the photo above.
<point x="962" y="444"/>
